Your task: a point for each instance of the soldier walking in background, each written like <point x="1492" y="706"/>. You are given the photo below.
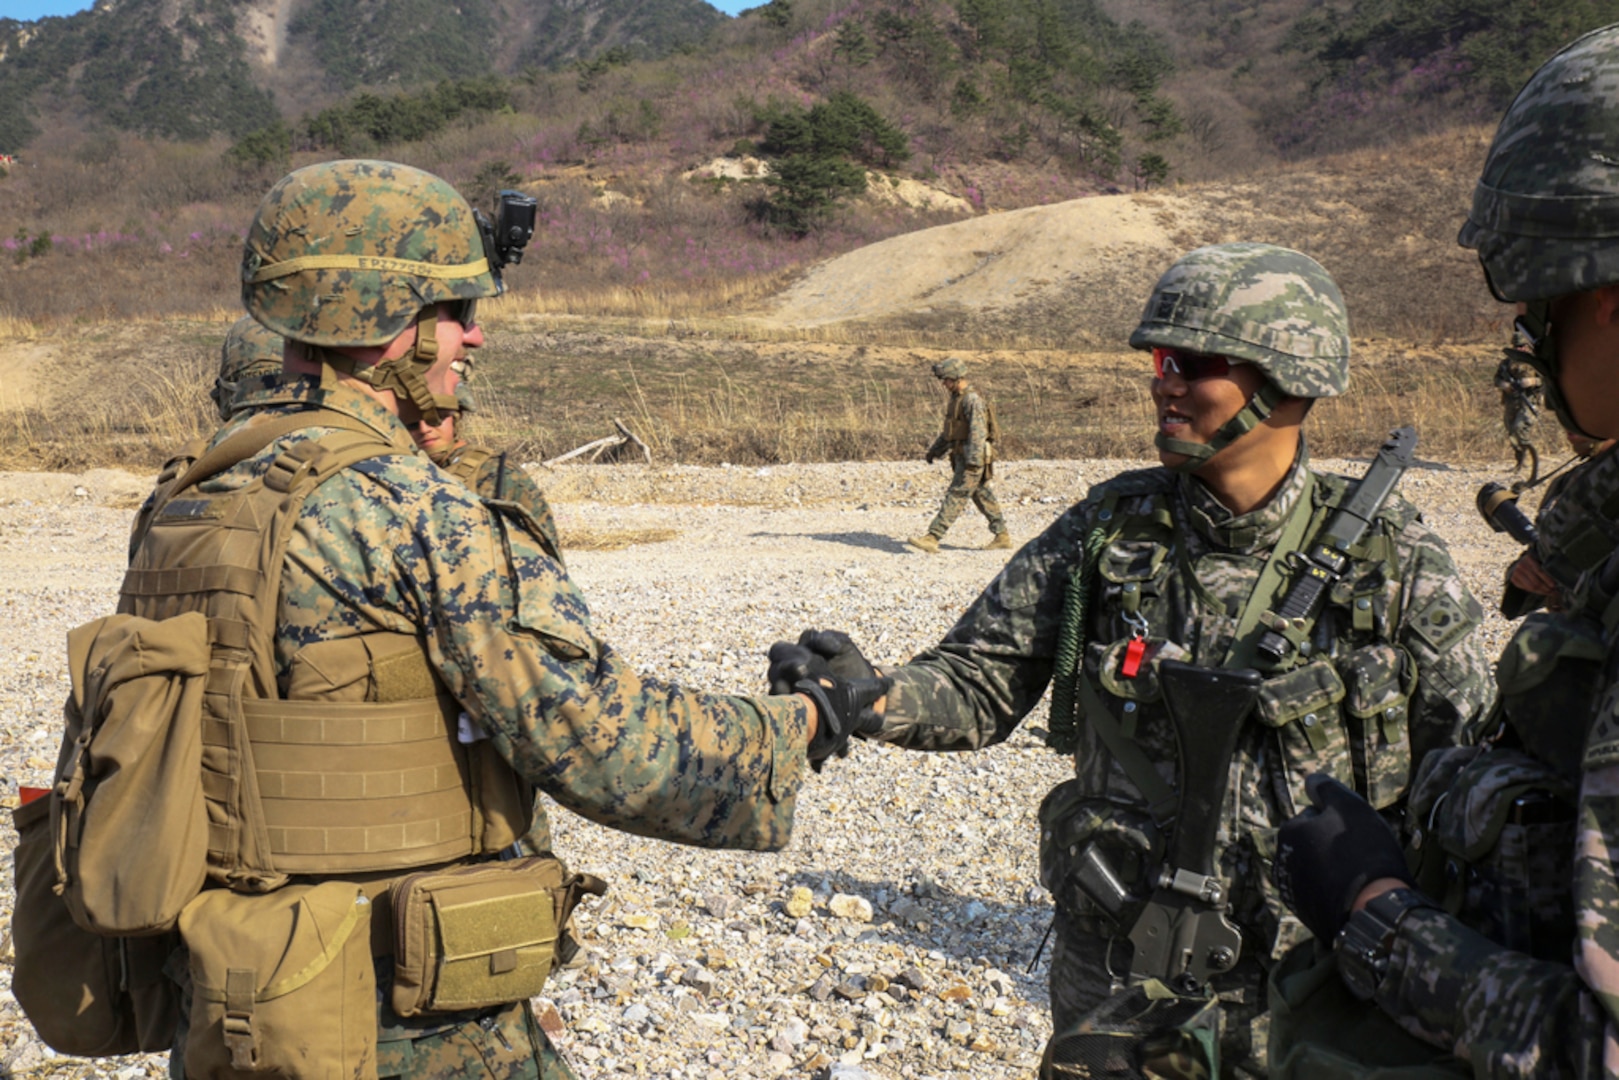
<point x="968" y="438"/>
<point x="1502" y="949"/>
<point x="1146" y="605"/>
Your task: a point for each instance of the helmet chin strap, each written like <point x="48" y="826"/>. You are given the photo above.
<point x="1260" y="406"/>
<point x="1535" y="325"/>
<point x="403" y="374"/>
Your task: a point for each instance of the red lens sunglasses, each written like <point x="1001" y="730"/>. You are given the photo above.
<point x="1188" y="365"/>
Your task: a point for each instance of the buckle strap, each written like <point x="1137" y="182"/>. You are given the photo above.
<point x="241" y="985"/>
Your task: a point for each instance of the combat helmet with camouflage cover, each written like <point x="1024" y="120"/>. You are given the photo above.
<point x="951" y="367"/>
<point x="1259" y="304"/>
<point x="1545" y="215"/>
<point x="350" y="253"/>
<point x="250" y="352"/>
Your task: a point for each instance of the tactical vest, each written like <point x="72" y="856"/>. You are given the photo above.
<point x="348" y="763"/>
<point x="1341" y="708"/>
<point x="958" y="429"/>
<point x="465" y="463"/>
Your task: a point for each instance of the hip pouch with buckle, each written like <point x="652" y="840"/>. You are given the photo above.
<point x="283" y="984"/>
<point x="476" y="936"/>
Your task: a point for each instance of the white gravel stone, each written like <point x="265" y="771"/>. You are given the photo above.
<point x="856" y="908"/>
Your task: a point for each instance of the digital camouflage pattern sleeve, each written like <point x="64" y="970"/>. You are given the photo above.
<point x="391" y="545"/>
<point x="974" y="687"/>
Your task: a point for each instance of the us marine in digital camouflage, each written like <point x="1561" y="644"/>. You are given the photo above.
<point x="404" y="594"/>
<point x="968" y="439"/>
<point x="1156" y="582"/>
<point x="1517" y="973"/>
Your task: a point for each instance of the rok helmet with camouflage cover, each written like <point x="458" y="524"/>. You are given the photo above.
<point x="1545" y="216"/>
<point x="351" y="253"/>
<point x="1258" y="304"/>
<point x="250" y="352"/>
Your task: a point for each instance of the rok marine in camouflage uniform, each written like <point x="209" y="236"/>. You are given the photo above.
<point x="1158" y="568"/>
<point x="968" y="438"/>
<point x="1523" y="979"/>
<point x="405" y="594"/>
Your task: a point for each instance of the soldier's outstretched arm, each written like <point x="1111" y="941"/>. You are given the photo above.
<point x="512" y="638"/>
<point x="974" y="687"/>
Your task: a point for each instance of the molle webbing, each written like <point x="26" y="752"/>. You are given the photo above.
<point x="466" y="463"/>
<point x="359" y="783"/>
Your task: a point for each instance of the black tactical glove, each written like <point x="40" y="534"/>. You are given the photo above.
<point x="930" y="457"/>
<point x="842" y="655"/>
<point x="1330" y="852"/>
<point x="818" y="652"/>
<point x="845" y="708"/>
<point x="791" y="664"/>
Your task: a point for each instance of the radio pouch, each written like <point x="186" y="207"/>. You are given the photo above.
<point x="86" y="994"/>
<point x="283" y="985"/>
<point x="475" y="936"/>
<point x="126" y="809"/>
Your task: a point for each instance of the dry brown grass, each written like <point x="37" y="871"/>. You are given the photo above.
<point x="587" y="539"/>
<point x="129" y="396"/>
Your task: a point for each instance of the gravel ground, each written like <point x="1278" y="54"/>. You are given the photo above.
<point x="893" y="938"/>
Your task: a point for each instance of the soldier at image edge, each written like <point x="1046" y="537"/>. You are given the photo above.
<point x="402" y="592"/>
<point x="1158" y="581"/>
<point x="1527" y="985"/>
<point x="968" y="438"/>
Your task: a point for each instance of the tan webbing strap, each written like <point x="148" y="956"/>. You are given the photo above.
<point x="261" y="433"/>
<point x="1262" y="597"/>
<point x="319" y="460"/>
<point x="240" y="994"/>
<point x="255" y="436"/>
<point x="190" y="579"/>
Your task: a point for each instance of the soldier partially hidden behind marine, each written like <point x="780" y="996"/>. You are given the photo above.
<point x="1501" y="949"/>
<point x="485" y="470"/>
<point x="380" y="667"/>
<point x="968" y="438"/>
<point x="1146" y="606"/>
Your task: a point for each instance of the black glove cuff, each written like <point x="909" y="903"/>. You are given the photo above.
<point x="1366" y="942"/>
<point x="830" y="738"/>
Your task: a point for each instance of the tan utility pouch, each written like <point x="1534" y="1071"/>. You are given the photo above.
<point x="131" y="833"/>
<point x="481" y="935"/>
<point x="282" y="984"/>
<point x="87" y="995"/>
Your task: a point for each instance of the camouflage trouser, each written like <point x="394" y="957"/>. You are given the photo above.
<point x="1080" y="980"/>
<point x="964" y="485"/>
<point x="504" y="1045"/>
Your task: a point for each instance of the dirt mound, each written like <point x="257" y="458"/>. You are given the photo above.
<point x="985" y="262"/>
<point x="1383" y="222"/>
